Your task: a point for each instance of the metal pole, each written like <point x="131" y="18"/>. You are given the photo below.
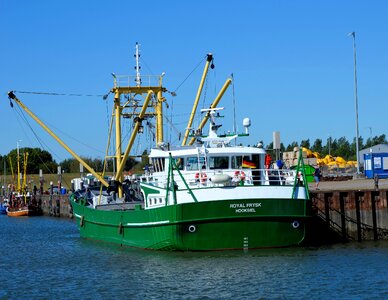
<point x="329" y="145"/>
<point x="17" y="159"/>
<point x="353" y="34"/>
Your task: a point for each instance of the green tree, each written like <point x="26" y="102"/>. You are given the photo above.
<point x="343" y="148"/>
<point x="70" y="165"/>
<point x="37" y="160"/>
<point x="305" y="143"/>
<point x="317" y="146"/>
<point x="376" y="140"/>
<point x="291" y="146"/>
<point x="352" y="155"/>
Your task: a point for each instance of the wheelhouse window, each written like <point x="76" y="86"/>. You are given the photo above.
<point x="179" y="162"/>
<point x="219" y="162"/>
<point x="236" y="162"/>
<point x="158" y="164"/>
<point x="195" y="163"/>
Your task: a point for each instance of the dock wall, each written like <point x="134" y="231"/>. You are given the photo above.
<point x="56" y="205"/>
<point x="354" y="214"/>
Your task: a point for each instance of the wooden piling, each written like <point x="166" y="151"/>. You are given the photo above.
<point x="353" y="214"/>
<point x="343" y="215"/>
<point x="357" y="196"/>
<point x="374" y="195"/>
<point x="327" y="209"/>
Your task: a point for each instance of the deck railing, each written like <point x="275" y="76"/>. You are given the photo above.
<point x="206" y="178"/>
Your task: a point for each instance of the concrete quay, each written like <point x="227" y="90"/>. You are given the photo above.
<point x="346" y="185"/>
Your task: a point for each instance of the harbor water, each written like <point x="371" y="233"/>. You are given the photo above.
<point x="45" y="258"/>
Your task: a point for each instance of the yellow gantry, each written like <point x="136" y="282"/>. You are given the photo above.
<point x="194" y="109"/>
<point x="214" y="105"/>
<point x="120" y="167"/>
<point x="138" y="118"/>
<point x="32" y="115"/>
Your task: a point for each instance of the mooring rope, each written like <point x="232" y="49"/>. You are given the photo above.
<point x="61" y="94"/>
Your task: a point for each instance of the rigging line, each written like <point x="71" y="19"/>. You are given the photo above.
<point x="234" y="108"/>
<point x="64" y="133"/>
<point x="39" y="140"/>
<point x="123" y="138"/>
<point x="144" y="62"/>
<point x="199" y="115"/>
<point x="74" y="139"/>
<point x="190" y="74"/>
<point x="215" y="82"/>
<point x="110" y="126"/>
<point x="59" y="94"/>
<point x="108" y="123"/>
<point x="171" y="125"/>
<point x="20" y="112"/>
<point x="205" y="92"/>
<point x="181" y="123"/>
<point x="180" y="115"/>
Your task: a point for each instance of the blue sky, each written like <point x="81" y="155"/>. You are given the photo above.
<point x="292" y="63"/>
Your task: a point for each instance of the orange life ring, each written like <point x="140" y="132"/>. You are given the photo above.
<point x="202" y="176"/>
<point x="240" y="174"/>
<point x="268" y="160"/>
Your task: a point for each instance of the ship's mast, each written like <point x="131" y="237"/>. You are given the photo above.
<point x="144" y="100"/>
<point x="137" y="67"/>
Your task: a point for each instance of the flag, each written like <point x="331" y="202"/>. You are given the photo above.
<point x="248" y="164"/>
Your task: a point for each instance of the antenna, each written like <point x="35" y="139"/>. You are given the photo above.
<point x="137" y="67"/>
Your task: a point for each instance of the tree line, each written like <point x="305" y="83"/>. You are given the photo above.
<point x="39" y="159"/>
<point x="335" y="147"/>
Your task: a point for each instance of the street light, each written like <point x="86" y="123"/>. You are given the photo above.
<point x="370" y="138"/>
<point x="17" y="160"/>
<point x="353" y="34"/>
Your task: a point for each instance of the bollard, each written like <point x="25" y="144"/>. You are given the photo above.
<point x="376" y="178"/>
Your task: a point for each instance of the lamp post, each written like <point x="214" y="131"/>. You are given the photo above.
<point x="353" y="34"/>
<point x="370" y="140"/>
<point x="329" y="141"/>
<point x="18" y="165"/>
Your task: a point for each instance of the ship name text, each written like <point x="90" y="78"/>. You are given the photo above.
<point x="245" y="207"/>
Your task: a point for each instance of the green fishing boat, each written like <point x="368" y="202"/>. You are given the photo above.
<point x="205" y="194"/>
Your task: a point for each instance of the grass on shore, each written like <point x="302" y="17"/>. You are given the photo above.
<point x="33" y="179"/>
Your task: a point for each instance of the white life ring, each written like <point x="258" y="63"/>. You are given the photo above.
<point x="240" y="174"/>
<point x="201" y="176"/>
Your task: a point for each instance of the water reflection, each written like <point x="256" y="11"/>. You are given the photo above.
<point x="45" y="258"/>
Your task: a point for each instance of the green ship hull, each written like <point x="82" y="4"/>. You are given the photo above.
<point x="204" y="226"/>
